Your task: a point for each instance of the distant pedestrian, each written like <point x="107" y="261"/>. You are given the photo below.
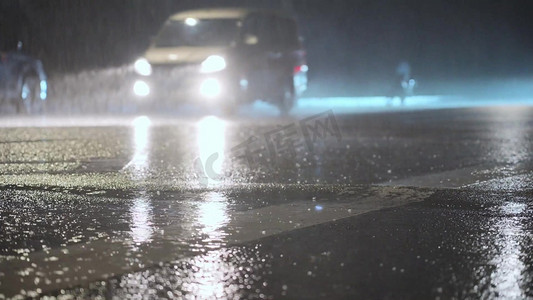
<point x="402" y="84"/>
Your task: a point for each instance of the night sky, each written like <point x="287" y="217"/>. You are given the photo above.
<point x="362" y="39"/>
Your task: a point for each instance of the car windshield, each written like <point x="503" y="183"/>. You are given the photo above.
<point x="193" y="32"/>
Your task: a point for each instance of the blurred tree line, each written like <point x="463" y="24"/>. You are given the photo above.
<point x="363" y="39"/>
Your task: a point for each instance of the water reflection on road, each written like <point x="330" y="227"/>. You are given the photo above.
<point x="141" y="209"/>
<point x="511" y="146"/>
<point x="213" y="272"/>
<point x="141" y="219"/>
<point x="212" y="217"/>
<point x="511" y="143"/>
<point x="139" y="164"/>
<point x="508" y="277"/>
<point x="211" y="139"/>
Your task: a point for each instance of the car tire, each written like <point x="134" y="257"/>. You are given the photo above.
<point x="29" y="96"/>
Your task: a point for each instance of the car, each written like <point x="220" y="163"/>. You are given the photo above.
<point x="225" y="57"/>
<point x="23" y="81"/>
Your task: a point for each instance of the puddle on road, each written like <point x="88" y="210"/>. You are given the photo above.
<point x="229" y="273"/>
<point x="143" y="230"/>
<point x="509" y="278"/>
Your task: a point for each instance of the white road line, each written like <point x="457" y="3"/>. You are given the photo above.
<point x="452" y="179"/>
<point x="80" y="264"/>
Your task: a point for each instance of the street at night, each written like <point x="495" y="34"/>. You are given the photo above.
<point x="280" y="149"/>
<point x="398" y="203"/>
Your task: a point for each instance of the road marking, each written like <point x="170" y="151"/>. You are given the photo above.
<point x="79" y="264"/>
<point x="454" y="178"/>
<point x="276" y="219"/>
<point x="519" y="182"/>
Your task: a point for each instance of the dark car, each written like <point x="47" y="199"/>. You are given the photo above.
<point x="225" y="57"/>
<point x="23" y="82"/>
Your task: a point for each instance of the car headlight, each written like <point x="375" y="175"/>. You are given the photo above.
<point x="210" y="88"/>
<point x="213" y="63"/>
<point x="142" y="67"/>
<point x="141" y="88"/>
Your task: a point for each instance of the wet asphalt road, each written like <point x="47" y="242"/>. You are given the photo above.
<point x="411" y="204"/>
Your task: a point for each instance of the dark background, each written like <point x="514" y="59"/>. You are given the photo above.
<point x="361" y="40"/>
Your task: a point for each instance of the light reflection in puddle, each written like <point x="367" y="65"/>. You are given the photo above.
<point x="212" y="274"/>
<point x="511" y="148"/>
<point x="211" y="219"/>
<point x="510" y="268"/>
<point x="216" y="273"/>
<point x="141" y="210"/>
<point x="210" y="278"/>
<point x="211" y="138"/>
<point x="227" y="273"/>
<point x="139" y="164"/>
<point x="142" y="220"/>
<point x="512" y="140"/>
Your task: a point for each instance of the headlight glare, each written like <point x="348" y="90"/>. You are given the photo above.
<point x="142" y="67"/>
<point x="213" y="63"/>
<point x="141" y="88"/>
<point x="210" y="88"/>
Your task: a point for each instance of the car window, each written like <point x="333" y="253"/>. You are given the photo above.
<point x="205" y="32"/>
<point x="265" y="29"/>
<point x="287" y="33"/>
